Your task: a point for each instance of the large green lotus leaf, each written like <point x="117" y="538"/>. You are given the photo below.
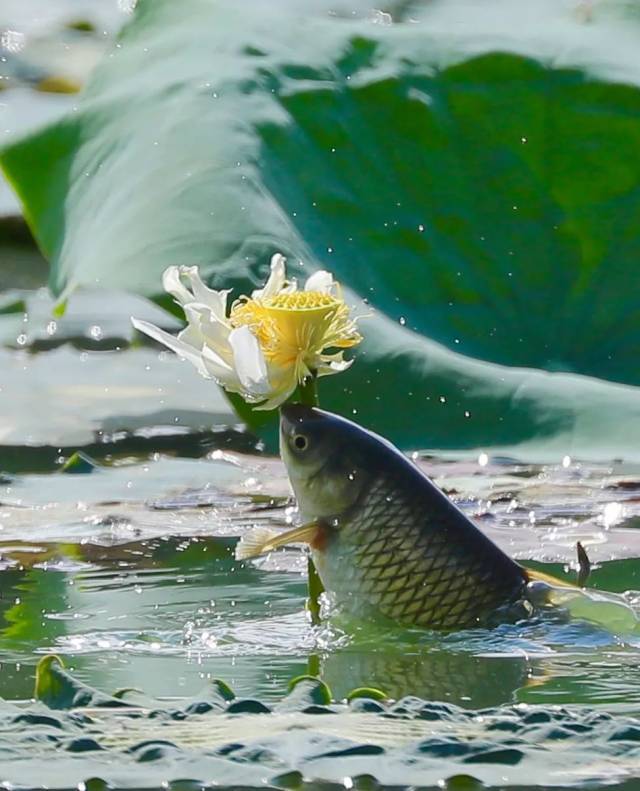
<point x="470" y="169"/>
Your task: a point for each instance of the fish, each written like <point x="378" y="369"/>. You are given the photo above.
<point x="389" y="545"/>
<point x="386" y="541"/>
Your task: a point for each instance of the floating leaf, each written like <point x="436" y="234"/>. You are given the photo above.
<point x="59" y="690"/>
<point x="304" y="691"/>
<point x="367" y="692"/>
<point x="12" y="306"/>
<point x="79" y="464"/>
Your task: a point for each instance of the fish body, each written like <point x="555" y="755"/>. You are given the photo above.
<point x="385" y="539"/>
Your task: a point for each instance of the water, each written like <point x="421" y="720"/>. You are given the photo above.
<point x="128" y="573"/>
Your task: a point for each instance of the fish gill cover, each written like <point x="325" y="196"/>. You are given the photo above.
<point x="470" y="169"/>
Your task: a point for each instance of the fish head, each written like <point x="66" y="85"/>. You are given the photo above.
<point x="325" y="457"/>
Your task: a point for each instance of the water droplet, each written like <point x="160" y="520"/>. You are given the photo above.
<point x="127" y="6"/>
<point x="483" y="459"/>
<point x="611" y="514"/>
<point x="402" y="321"/>
<point x="378" y="18"/>
<point x="421" y="228"/>
<point x="566" y="461"/>
<point x="12" y="40"/>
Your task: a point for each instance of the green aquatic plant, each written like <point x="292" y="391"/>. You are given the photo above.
<point x="79" y="464"/>
<point x="57" y="688"/>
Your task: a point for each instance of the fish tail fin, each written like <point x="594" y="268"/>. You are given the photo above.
<point x="584" y="570"/>
<point x="262" y="540"/>
<point x="548" y="579"/>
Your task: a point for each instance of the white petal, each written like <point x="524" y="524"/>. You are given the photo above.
<point x="291" y="287"/>
<point x="192" y="336"/>
<point x="320" y="281"/>
<point x="219" y="370"/>
<point x="333" y="367"/>
<point x="173" y="285"/>
<point x="179" y="346"/>
<point x="211" y="331"/>
<point x="275" y="401"/>
<point x="277" y="278"/>
<point x="216" y="301"/>
<point x="277" y="398"/>
<point x="249" y="361"/>
<point x="283" y="384"/>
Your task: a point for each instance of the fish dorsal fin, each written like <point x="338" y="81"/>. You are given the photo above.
<point x="262" y="540"/>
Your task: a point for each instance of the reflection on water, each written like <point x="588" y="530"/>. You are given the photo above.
<point x="129" y="575"/>
<point x="122" y="612"/>
<point x="433" y="674"/>
<point x="164" y="614"/>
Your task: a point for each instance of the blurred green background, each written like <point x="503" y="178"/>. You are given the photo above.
<point x="467" y="170"/>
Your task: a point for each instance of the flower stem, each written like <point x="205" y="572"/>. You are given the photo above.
<point x="315" y="589"/>
<point x="307" y="394"/>
<point x="308" y="391"/>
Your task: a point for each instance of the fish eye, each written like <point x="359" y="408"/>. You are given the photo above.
<point x="300" y="442"/>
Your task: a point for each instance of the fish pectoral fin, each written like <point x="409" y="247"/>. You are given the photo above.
<point x="261" y="540"/>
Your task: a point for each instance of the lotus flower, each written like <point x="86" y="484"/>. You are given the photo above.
<point x="270" y="342"/>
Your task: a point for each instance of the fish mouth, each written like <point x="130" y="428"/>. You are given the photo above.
<point x="294" y="414"/>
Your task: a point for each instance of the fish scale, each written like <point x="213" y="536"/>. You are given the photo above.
<point x="393" y="544"/>
<point x="414" y="570"/>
